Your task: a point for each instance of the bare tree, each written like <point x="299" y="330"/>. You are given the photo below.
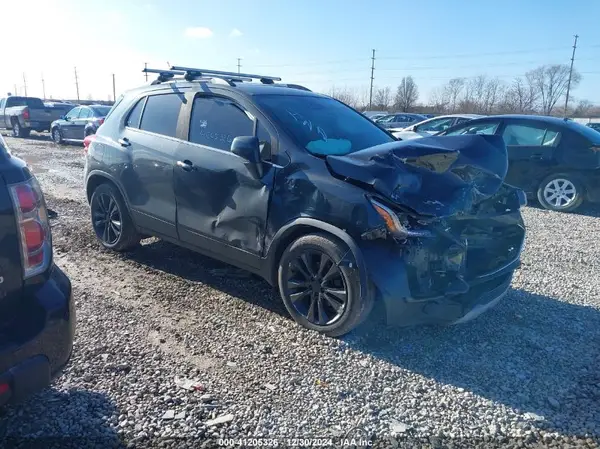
<point x="407" y="94"/>
<point x="453" y="91"/>
<point x="584" y="107"/>
<point x="492" y="92"/>
<point x="521" y="95"/>
<point x="550" y="82"/>
<point x="345" y="95"/>
<point x="438" y="100"/>
<point x="382" y="98"/>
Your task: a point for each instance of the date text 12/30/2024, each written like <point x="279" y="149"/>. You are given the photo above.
<point x="294" y="442"/>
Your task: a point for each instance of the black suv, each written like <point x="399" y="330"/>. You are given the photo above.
<point x="37" y="316"/>
<point x="311" y="195"/>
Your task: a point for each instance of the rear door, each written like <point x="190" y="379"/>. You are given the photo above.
<point x="530" y="146"/>
<point x="150" y="134"/>
<point x="221" y="207"/>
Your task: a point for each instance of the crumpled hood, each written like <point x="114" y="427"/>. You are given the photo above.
<point x="435" y="176"/>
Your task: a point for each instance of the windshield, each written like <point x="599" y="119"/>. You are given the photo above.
<point x="100" y="111"/>
<point x="322" y="125"/>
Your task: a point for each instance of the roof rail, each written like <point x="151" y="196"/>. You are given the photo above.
<point x="163" y="75"/>
<point x="194" y="72"/>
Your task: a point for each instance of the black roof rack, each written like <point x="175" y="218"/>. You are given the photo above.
<point x="195" y="74"/>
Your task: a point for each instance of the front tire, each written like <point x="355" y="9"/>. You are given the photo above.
<point x="561" y="192"/>
<point x="320" y="293"/>
<point x="57" y="136"/>
<point x="111" y="220"/>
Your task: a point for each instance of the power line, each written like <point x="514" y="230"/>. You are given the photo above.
<point x="570" y="74"/>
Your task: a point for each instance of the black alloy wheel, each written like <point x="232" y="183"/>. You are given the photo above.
<point x="316" y="287"/>
<point x="106" y="218"/>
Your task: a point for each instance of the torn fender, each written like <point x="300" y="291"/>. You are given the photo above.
<point x="435" y="176"/>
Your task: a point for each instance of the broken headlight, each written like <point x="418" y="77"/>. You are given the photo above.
<point x="393" y="223"/>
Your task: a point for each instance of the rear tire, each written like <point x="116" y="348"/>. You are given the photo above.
<point x="319" y="293"/>
<point x="561" y="192"/>
<point x="111" y="220"/>
<point x="19" y="131"/>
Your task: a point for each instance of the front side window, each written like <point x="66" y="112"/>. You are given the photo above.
<point x="487" y="128"/>
<point x="523" y="135"/>
<point x="161" y="114"/>
<point x="436" y="125"/>
<point x="216" y="122"/>
<point x="322" y="125"/>
<point x="265" y="140"/>
<point x="73" y="113"/>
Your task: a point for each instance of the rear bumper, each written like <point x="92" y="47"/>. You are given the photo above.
<point x="39" y="342"/>
<point x="38" y="125"/>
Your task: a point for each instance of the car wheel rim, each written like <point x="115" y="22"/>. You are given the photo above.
<point x="56" y="135"/>
<point x="316" y="288"/>
<point x="560" y="193"/>
<point x="17" y="129"/>
<point x="106" y="219"/>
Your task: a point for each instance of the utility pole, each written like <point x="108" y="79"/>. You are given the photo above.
<point x="570" y="75"/>
<point x="43" y="87"/>
<point x="16" y="91"/>
<point x="372" y="70"/>
<point x="239" y="66"/>
<point x="24" y="83"/>
<point x="76" y="84"/>
<point x="146" y="73"/>
<point x="114" y="90"/>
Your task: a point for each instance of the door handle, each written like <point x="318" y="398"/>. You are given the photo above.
<point x="124" y="142"/>
<point x="186" y="165"/>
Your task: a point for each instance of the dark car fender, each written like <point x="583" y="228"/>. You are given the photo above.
<point x="96" y="177"/>
<point x="299" y="226"/>
<point x="89" y="126"/>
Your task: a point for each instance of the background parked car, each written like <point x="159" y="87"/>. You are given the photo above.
<point x="79" y="122"/>
<point x="594" y="126"/>
<point x="432" y="126"/>
<point x="37" y="314"/>
<point x="399" y="120"/>
<point x="23" y="114"/>
<point x="553" y="159"/>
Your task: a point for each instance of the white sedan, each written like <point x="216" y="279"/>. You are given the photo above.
<point x="431" y="126"/>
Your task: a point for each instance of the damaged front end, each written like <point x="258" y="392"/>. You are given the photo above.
<point x="451" y="232"/>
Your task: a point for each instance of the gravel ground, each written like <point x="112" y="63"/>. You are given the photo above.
<point x="525" y="374"/>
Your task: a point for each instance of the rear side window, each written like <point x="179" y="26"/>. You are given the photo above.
<point x="85" y="113"/>
<point x="216" y="122"/>
<point x="531" y="136"/>
<point x="487" y="128"/>
<point x="133" y="121"/>
<point x="161" y="114"/>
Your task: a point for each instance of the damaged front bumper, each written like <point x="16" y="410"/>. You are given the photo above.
<point x="449" y="278"/>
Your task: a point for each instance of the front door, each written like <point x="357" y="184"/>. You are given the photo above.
<point x="80" y="122"/>
<point x="221" y="207"/>
<point x="68" y="125"/>
<point x="530" y="147"/>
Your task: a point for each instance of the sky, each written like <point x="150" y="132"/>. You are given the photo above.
<point x="320" y="44"/>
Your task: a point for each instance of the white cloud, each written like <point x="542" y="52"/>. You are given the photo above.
<point x="235" y="33"/>
<point x="199" y="32"/>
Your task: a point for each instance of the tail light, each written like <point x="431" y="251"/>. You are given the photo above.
<point x="33" y="226"/>
<point x="87" y="141"/>
<point x="26" y="113"/>
<point x="100" y="121"/>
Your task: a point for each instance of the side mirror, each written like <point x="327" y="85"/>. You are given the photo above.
<point x="248" y="148"/>
<point x="63" y="117"/>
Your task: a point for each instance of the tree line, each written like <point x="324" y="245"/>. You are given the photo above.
<point x="540" y="91"/>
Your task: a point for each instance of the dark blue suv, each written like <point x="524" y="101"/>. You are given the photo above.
<point x="309" y="194"/>
<point x="37" y="316"/>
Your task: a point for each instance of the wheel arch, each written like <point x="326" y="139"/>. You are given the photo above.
<point x="304" y="226"/>
<point x="95" y="178"/>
